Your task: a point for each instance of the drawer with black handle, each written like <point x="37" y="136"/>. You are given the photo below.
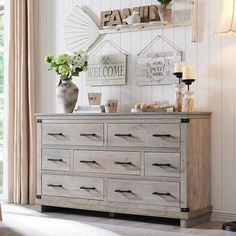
<point x="73" y="134"/>
<point x="144" y="135"/>
<point x="109" y="162"/>
<point x="144" y="192"/>
<point x="162" y="164"/>
<point x="56" y="159"/>
<point x="73" y="186"/>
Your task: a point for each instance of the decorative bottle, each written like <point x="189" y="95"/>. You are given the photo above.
<point x="188" y="102"/>
<point x="179" y="94"/>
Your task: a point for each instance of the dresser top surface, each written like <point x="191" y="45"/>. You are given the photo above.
<point x="124" y="115"/>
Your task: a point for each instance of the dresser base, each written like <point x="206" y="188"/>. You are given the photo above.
<point x="195" y="221"/>
<point x="187" y="219"/>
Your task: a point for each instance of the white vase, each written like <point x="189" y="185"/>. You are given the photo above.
<point x="67" y="96"/>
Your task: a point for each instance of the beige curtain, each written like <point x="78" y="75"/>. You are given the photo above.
<point x="20" y="105"/>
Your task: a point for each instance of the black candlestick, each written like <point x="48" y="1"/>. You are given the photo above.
<point x="188" y="82"/>
<point x="178" y="75"/>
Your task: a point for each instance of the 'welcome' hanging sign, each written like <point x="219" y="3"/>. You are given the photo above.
<point x="107" y="70"/>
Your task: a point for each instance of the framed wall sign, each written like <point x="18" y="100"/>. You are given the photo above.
<point x="154" y="69"/>
<point x="105" y="70"/>
<point x="157" y="68"/>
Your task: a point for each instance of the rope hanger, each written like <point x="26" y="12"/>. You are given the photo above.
<point x="101" y="45"/>
<point x="155" y="40"/>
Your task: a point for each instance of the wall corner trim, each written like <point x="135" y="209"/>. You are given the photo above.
<point x="223" y="216"/>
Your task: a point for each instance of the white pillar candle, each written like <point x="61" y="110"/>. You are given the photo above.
<point x="179" y="67"/>
<point x="188" y="72"/>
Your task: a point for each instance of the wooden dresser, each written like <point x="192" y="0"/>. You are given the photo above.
<point x="144" y="164"/>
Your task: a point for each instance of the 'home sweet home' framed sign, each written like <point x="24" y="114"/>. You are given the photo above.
<point x="156" y="68"/>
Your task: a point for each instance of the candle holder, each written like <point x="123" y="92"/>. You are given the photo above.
<point x="188" y="100"/>
<point x="188" y="82"/>
<point x="178" y="75"/>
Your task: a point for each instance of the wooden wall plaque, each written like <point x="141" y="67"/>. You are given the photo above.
<point x="156" y="69"/>
<point x="116" y="17"/>
<point x="107" y="70"/>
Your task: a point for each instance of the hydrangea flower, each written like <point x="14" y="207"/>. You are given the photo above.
<point x="67" y="66"/>
<point x="64" y="69"/>
<point x="62" y="59"/>
<point x="49" y="59"/>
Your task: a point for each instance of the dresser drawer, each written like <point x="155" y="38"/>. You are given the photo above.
<point x="73" y="134"/>
<point x="144" y="135"/>
<point x="55" y="159"/>
<point x="72" y="186"/>
<point x="110" y="162"/>
<point x="162" y="164"/>
<point x="144" y="192"/>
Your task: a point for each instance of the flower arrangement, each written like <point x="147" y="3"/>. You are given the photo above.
<point x="67" y="66"/>
<point x="164" y="2"/>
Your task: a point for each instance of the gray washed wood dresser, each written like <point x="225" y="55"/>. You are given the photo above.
<point x="145" y="164"/>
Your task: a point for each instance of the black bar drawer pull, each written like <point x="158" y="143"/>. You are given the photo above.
<point x="161" y="194"/>
<point x="56" y="160"/>
<point x="87" y="188"/>
<point x="88" y="162"/>
<point x="122" y="191"/>
<point x="55" y="185"/>
<point x="161" y="135"/>
<point x="123" y="163"/>
<point x="161" y="165"/>
<point x="123" y="135"/>
<point x="55" y="134"/>
<point x="88" y="135"/>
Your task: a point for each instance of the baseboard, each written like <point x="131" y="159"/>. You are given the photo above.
<point x="223" y="216"/>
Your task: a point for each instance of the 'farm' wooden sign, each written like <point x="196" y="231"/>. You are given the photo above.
<point x="156" y="69"/>
<point x="107" y="70"/>
<point x="116" y="17"/>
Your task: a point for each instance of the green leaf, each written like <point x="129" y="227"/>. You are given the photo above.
<point x="164" y="2"/>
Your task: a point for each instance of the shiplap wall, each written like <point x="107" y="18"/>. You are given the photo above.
<point x="213" y="58"/>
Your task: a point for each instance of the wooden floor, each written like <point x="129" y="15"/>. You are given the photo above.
<point x="27" y="221"/>
<point x="210" y="225"/>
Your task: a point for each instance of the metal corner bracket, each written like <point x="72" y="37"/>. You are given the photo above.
<point x="185" y="121"/>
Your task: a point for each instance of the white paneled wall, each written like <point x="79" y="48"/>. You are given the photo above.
<point x="213" y="57"/>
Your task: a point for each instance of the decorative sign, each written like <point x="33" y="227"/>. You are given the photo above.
<point x="116" y="17"/>
<point x="156" y="69"/>
<point x="107" y="70"/>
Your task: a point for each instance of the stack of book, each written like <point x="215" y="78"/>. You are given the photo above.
<point x="90" y="109"/>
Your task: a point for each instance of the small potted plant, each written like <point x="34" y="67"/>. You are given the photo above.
<point x="67" y="66"/>
<point x="165" y="10"/>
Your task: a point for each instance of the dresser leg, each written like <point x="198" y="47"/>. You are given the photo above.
<point x="195" y="221"/>
<point x="42" y="208"/>
<point x="183" y="223"/>
<point x="111" y="214"/>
